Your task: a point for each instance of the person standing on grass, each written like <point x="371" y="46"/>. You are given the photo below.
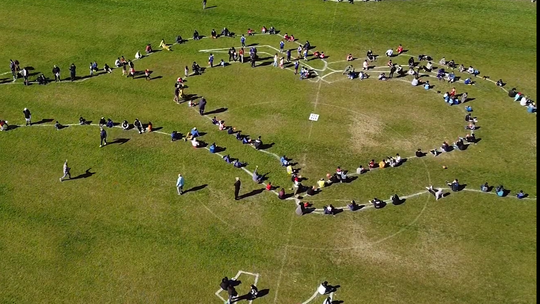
<point x="204" y="4"/>
<point x="72" y="71"/>
<point x="237" y="185"/>
<point x="147" y="74"/>
<point x="211" y="60"/>
<point x="13" y="70"/>
<point x="243" y="40"/>
<point x="281" y="46"/>
<point x="296" y="64"/>
<point x="27" y="116"/>
<point x="56" y="73"/>
<point x="180" y="184"/>
<point x="103" y="137"/>
<point x="66" y="171"/>
<point x="241" y="55"/>
<point x="202" y="105"/>
<point x="275" y="63"/>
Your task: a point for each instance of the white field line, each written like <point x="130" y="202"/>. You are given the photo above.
<point x="312" y="297"/>
<point x="284" y="259"/>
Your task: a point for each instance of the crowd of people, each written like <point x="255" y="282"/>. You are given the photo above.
<point x="303" y="49"/>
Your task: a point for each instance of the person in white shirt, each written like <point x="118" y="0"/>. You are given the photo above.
<point x="415" y="81"/>
<point x="138" y="55"/>
<point x="389" y="52"/>
<point x="365" y="65"/>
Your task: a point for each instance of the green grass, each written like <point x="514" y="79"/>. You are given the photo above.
<point x="124" y="235"/>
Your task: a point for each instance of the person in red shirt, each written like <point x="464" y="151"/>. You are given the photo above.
<point x="400" y="49"/>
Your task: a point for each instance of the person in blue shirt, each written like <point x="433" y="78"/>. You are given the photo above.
<point x="246" y="140"/>
<point x="284" y="161"/>
<point x="296" y="64"/>
<point x="500" y="190"/>
<point x="227" y="159"/>
<point x="237" y="164"/>
<point x="281" y="46"/>
<point x="454" y="185"/>
<point x="194" y="132"/>
<point x="521" y="195"/>
<point x="180" y="184"/>
<point x="243" y="40"/>
<point x="110" y="123"/>
<point x="103" y="136"/>
<point x="212" y="148"/>
<point x="211" y="60"/>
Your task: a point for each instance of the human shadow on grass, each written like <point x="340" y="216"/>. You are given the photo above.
<point x="220" y="149"/>
<point x="358" y="207"/>
<point x="44" y="120"/>
<point x="60" y="126"/>
<point x="216" y="111"/>
<point x="265" y="63"/>
<point x="251" y="193"/>
<point x="12" y="127"/>
<point x="213" y="6"/>
<point x="86" y="174"/>
<point x="265" y="146"/>
<point x="196" y="188"/>
<point x="252" y="44"/>
<point x="399" y="202"/>
<point x="119" y="141"/>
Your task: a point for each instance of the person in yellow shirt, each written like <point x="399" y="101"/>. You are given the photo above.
<point x="163" y="45"/>
<point x="382" y="164"/>
<point x="290" y="170"/>
<point x="321" y="183"/>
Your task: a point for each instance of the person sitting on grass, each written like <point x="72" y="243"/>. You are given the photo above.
<point x="377" y="203"/>
<point x="435" y="152"/>
<point x="82" y="121"/>
<point x="370" y="55"/>
<point x="360" y="170"/>
<point x="372" y="164"/>
<point x="350" y="57"/>
<point x="3" y="125"/>
<point x="179" y="39"/>
<point x="419" y="153"/>
<point x="459" y="145"/>
<point x="137" y="123"/>
<point x="257" y="144"/>
<point x="125" y="125"/>
<point x="174" y="136"/>
<point x="196" y="35"/>
<point x="362" y="75"/>
<point x="438" y="193"/>
<point x="221" y="125"/>
<point x="500" y="83"/>
<point x="382" y="76"/>
<point x="321" y="183"/>
<point x="500" y="190"/>
<point x="382" y="164"/>
<point x="195" y="143"/>
<point x="148" y="49"/>
<point x="246" y="140"/>
<point x="395" y="199"/>
<point x="521" y="195"/>
<point x="329" y="210"/>
<point x="281" y="194"/>
<point x="353" y="206"/>
<point x="194" y="132"/>
<point x="454" y="185"/>
<point x="110" y="123"/>
<point x="212" y="148"/>
<point x="237" y="164"/>
<point x="445" y="146"/>
<point x="312" y="190"/>
<point x="284" y="161"/>
<point x="256" y="177"/>
<point x="227" y="159"/>
<point x="484" y="187"/>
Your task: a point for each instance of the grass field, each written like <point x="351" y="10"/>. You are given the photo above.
<point x="121" y="234"/>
